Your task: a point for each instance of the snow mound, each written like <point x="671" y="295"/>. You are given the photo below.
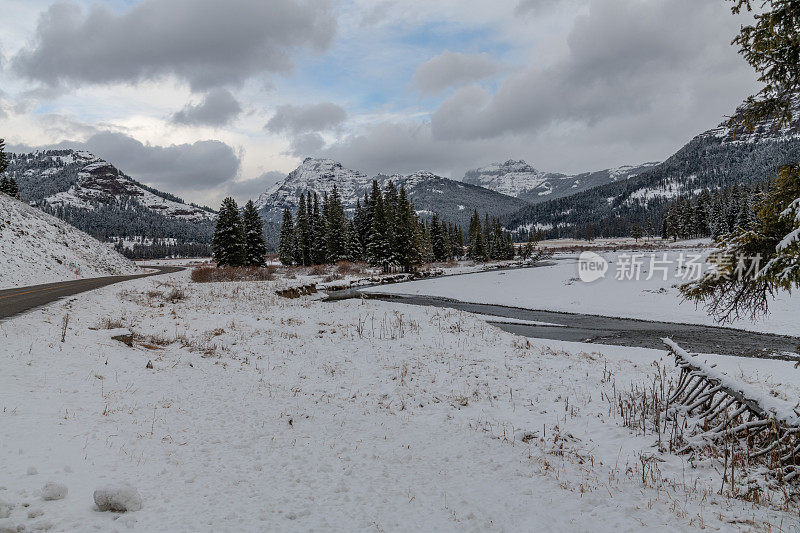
<point x="54" y="491"/>
<point x="120" y="498"/>
<point x="38" y="248"/>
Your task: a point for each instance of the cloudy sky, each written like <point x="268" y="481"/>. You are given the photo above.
<point x="206" y="98"/>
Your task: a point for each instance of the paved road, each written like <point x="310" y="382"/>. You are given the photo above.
<point x="620" y="331"/>
<point x="15" y="301"/>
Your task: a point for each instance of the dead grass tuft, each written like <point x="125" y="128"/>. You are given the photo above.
<point x="207" y="274"/>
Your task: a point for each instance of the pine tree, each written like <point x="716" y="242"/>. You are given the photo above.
<point x="255" y="247"/>
<point x="302" y="233"/>
<point x="287" y="245"/>
<point x="357" y="243"/>
<point x="354" y="248"/>
<point x="406" y="243"/>
<point x="770" y="45"/>
<point x="378" y="246"/>
<point x="13" y="189"/>
<point x="636" y="232"/>
<point x="227" y="244"/>
<point x="426" y="245"/>
<point x="437" y="239"/>
<point x="335" y="227"/>
<point x="476" y="249"/>
<point x="319" y="248"/>
<point x="3" y="156"/>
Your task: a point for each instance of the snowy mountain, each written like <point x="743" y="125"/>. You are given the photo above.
<point x="712" y="160"/>
<point x="521" y="180"/>
<point x="38" y="248"/>
<point x="451" y="199"/>
<point x="96" y="197"/>
<point x="91" y="181"/>
<point x="316" y="175"/>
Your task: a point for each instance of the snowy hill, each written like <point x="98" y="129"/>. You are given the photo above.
<point x="38" y="248"/>
<point x="96" y="197"/>
<point x="521" y="180"/>
<point x="712" y="160"/>
<point x="451" y="199"/>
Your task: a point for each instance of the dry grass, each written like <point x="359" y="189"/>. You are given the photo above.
<point x="347" y="268"/>
<point x="207" y="274"/>
<point x="109" y="323"/>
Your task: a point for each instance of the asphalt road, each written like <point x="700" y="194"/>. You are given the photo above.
<point x="15" y="301"/>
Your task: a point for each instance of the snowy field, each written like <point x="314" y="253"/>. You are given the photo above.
<point x="263" y="413"/>
<point x="558" y="288"/>
<point x="39" y="248"/>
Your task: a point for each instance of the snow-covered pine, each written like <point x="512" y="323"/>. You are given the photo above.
<point x="287" y="246"/>
<point x="228" y="242"/>
<point x="319" y="246"/>
<point x="255" y="247"/>
<point x="302" y="231"/>
<point x="335" y="228"/>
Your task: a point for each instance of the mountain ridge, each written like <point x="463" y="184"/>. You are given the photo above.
<point x="94" y="196"/>
<point x="713" y="159"/>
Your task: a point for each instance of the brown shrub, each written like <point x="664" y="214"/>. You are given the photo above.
<point x="318" y="270"/>
<point x="208" y="274"/>
<point x="347" y="267"/>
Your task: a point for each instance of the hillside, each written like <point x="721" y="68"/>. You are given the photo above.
<point x="453" y="200"/>
<point x="521" y="180"/>
<point x="38" y="248"/>
<point x="712" y="160"/>
<point x="96" y="197"/>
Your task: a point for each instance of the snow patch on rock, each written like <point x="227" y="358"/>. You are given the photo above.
<point x="54" y="491"/>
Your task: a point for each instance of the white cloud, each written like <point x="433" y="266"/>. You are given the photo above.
<point x="450" y="69"/>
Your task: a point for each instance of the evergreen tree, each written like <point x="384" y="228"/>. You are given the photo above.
<point x="302" y="233"/>
<point x="772" y="48"/>
<point x="287" y="245"/>
<point x="636" y="232"/>
<point x="319" y="248"/>
<point x="406" y="241"/>
<point x="335" y="227"/>
<point x="357" y="245"/>
<point x="227" y="245"/>
<point x="3" y="156"/>
<point x="379" y="247"/>
<point x="476" y="249"/>
<point x="13" y="188"/>
<point x="437" y="237"/>
<point x="426" y="244"/>
<point x="354" y="248"/>
<point x="255" y="247"/>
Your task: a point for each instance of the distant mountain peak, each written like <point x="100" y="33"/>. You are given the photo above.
<point x="517" y="178"/>
<point x="96" y="197"/>
<point x="453" y="200"/>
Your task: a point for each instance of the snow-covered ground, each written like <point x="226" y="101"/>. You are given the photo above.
<point x="265" y="413"/>
<point x="558" y="288"/>
<point x="38" y="248"/>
